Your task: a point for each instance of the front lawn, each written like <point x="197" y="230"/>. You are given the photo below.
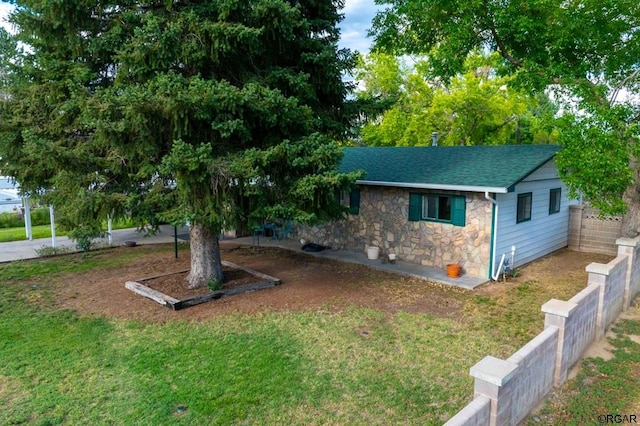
<point x="353" y="365"/>
<point x="19" y="234"/>
<point x="44" y="231"/>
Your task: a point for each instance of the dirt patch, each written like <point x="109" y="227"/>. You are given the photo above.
<point x="174" y="291"/>
<point x="560" y="273"/>
<point x="307" y="283"/>
<point x="175" y="284"/>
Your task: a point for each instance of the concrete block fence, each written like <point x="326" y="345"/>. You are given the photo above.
<point x="505" y="391"/>
<point x="590" y="231"/>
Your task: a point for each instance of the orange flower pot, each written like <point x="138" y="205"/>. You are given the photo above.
<point x="453" y="270"/>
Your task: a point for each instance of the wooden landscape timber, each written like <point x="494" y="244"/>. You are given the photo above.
<point x="140" y="288"/>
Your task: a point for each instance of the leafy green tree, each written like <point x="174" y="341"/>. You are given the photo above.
<point x="474" y="107"/>
<point x="584" y="50"/>
<point x="217" y="113"/>
<point x="400" y="94"/>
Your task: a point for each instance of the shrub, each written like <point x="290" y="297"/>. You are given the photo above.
<point x="10" y="220"/>
<point x="39" y="216"/>
<point x="84" y="235"/>
<point x="46" y="251"/>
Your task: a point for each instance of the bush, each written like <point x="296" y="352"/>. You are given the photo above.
<point x="10" y="220"/>
<point x="84" y="235"/>
<point x="39" y="216"/>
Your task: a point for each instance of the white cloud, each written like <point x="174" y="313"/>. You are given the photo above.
<point x="5" y="9"/>
<point x="358" y="15"/>
<point x="352" y="6"/>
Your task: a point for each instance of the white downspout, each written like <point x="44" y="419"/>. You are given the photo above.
<point x="494" y="275"/>
<point x="497" y="274"/>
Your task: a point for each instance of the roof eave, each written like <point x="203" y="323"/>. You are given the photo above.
<point x="464" y="188"/>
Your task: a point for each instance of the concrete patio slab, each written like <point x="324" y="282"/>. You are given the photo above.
<point x="399" y="267"/>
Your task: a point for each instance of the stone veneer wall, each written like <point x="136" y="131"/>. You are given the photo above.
<point x="383" y="222"/>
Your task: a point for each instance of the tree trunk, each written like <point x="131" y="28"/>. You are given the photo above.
<point x="631" y="197"/>
<point x="631" y="219"/>
<point x="206" y="264"/>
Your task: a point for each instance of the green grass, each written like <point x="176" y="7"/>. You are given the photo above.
<point x="514" y="315"/>
<point x="42" y="231"/>
<point x="19" y="271"/>
<point x="359" y="366"/>
<point x="304" y="368"/>
<point x="602" y="386"/>
<point x="19" y="234"/>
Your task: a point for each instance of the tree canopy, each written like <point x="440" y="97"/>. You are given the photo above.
<point x="584" y="51"/>
<point x="475" y="107"/>
<point x="218" y="113"/>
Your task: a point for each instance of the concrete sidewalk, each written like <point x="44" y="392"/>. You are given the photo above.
<point x="26" y="249"/>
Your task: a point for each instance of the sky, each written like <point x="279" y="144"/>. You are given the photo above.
<point x="358" y="15"/>
<point x="5" y="8"/>
<point x="357" y="21"/>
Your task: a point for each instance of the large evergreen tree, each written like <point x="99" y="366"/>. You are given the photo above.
<point x="212" y="112"/>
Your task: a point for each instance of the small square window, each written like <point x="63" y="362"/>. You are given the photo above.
<point x="554" y="200"/>
<point x="524" y="207"/>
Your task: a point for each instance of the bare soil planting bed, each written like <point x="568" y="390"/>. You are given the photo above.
<point x="170" y="289"/>
<point x="307" y="283"/>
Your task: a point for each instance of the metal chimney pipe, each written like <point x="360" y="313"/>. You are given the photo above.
<point x="434" y="139"/>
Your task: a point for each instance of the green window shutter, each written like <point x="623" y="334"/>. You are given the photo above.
<point x="354" y="201"/>
<point x="458" y="213"/>
<point x="415" y="207"/>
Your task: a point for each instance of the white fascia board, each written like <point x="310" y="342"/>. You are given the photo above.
<point x="464" y="188"/>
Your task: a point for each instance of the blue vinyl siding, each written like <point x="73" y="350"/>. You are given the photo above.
<point x="542" y="234"/>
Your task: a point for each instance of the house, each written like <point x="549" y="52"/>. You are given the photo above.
<point x="479" y="206"/>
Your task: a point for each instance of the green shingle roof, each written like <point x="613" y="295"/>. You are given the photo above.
<point x="472" y="168"/>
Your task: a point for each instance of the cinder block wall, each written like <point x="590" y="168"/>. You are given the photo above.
<point x="476" y="413"/>
<point x="534" y="376"/>
<point x="590" y="232"/>
<point x="612" y="280"/>
<point x="578" y="328"/>
<point x="626" y="247"/>
<point x="516" y="385"/>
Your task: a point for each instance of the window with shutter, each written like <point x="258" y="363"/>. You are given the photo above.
<point x="437" y="208"/>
